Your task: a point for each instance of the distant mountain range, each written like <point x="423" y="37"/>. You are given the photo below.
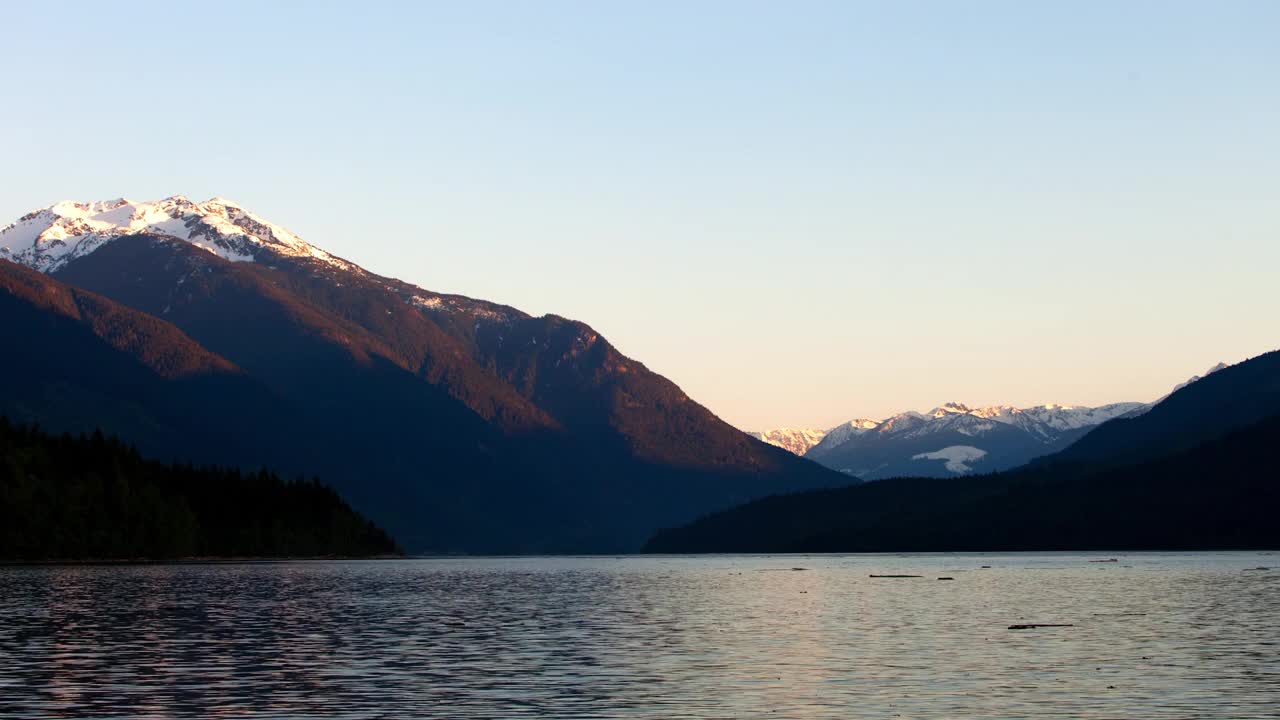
<point x="797" y="441"/>
<point x="950" y="440"/>
<point x="955" y="439"/>
<point x="202" y="331"/>
<point x="1160" y="479"/>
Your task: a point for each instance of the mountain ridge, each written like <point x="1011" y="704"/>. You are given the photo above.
<point x="865" y="448"/>
<point x="950" y="439"/>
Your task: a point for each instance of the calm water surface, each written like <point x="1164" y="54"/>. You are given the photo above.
<point x="1154" y="636"/>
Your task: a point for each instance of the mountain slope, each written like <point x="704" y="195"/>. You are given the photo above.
<point x="1223" y="400"/>
<point x="80" y="361"/>
<point x="459" y="424"/>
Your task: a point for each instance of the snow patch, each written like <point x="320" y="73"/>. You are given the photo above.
<point x="430" y="303"/>
<point x="456" y="304"/>
<point x="957" y="457"/>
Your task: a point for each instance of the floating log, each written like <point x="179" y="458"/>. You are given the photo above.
<point x="1033" y="626"/>
<point x="896" y="576"/>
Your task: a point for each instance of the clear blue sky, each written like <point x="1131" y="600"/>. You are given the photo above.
<point x="800" y="212"/>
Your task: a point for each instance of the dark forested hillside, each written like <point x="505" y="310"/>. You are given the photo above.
<point x="1222" y="494"/>
<point x="1231" y="398"/>
<point x="90" y="497"/>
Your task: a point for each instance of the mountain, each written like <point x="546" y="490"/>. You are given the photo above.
<point x="1195" y="378"/>
<point x="1227" y="398"/>
<point x="50" y="238"/>
<point x="1195" y="472"/>
<point x="458" y="424"/>
<point x="955" y="439"/>
<point x="796" y="441"/>
<point x="842" y="433"/>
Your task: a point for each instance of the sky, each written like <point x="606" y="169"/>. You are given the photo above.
<point x="800" y="212"/>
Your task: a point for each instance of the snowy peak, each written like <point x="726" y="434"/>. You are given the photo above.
<point x="845" y="432"/>
<point x="1066" y="417"/>
<point x="903" y="422"/>
<point x="1051" y="416"/>
<point x="950" y="408"/>
<point x="797" y="441"/>
<point x="49" y="238"/>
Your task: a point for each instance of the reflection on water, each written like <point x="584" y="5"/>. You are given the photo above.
<point x="1154" y="636"/>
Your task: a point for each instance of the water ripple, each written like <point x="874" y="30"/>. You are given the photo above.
<point x="1152" y="636"/>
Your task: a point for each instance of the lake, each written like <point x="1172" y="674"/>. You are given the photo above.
<point x="1153" y="635"/>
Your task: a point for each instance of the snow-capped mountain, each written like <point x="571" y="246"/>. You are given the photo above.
<point x="955" y="439"/>
<point x="461" y="425"/>
<point x="843" y="432"/>
<point x="51" y="237"/>
<point x="795" y="440"/>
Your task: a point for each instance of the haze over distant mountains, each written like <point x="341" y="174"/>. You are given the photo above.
<point x="202" y="331"/>
<point x="952" y="439"/>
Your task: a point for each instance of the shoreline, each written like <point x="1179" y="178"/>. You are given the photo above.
<point x="264" y="559"/>
<point x="195" y="560"/>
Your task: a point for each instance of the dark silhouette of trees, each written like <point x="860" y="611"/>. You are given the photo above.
<point x="93" y="497"/>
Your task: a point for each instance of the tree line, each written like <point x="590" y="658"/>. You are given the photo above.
<point x="89" y="497"/>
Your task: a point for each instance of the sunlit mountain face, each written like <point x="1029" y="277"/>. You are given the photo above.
<point x="797" y="441"/>
<point x="49" y="238"/>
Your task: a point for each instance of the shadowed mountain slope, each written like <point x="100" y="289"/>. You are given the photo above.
<point x="79" y="361"/>
<point x="1227" y="399"/>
